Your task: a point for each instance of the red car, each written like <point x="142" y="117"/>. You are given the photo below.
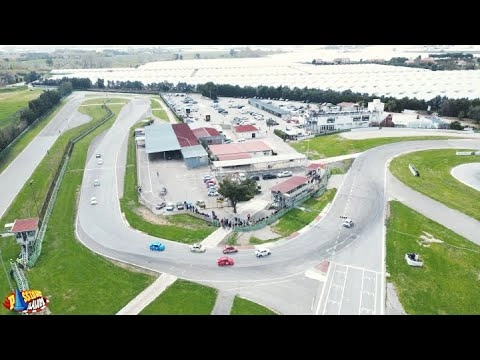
<point x="224" y="261"/>
<point x="228" y="249"/>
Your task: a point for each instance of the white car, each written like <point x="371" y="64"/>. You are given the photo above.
<point x="170" y="206"/>
<point x="96" y="182"/>
<point x="99" y="161"/>
<point x="93" y="200"/>
<point x="213" y="193"/>
<point x="198" y="248"/>
<point x="348" y="223"/>
<point x="262" y="252"/>
<point x="285" y="173"/>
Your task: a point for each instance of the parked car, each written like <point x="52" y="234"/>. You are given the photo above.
<point x="93" y="200"/>
<point x="98" y="156"/>
<point x="269" y="176"/>
<point x="225" y="261"/>
<point x="285" y="173"/>
<point x="96" y="182"/>
<point x="212" y="193"/>
<point x="157" y="246"/>
<point x="255" y="177"/>
<point x="262" y="252"/>
<point x="348" y="223"/>
<point x="99" y="161"/>
<point x="180" y="205"/>
<point x="198" y="248"/>
<point x="229" y="249"/>
<point x="170" y="206"/>
<point x="163" y="191"/>
<point x="161" y="205"/>
<point x="206" y="178"/>
<point x="201" y="204"/>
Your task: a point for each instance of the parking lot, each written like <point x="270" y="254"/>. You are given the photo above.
<point x="186" y="185"/>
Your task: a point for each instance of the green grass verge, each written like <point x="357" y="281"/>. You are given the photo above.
<point x="257" y="241"/>
<point x="336" y="145"/>
<point x="296" y="219"/>
<point x="157" y="106"/>
<point x="448" y="282"/>
<point x="183" y="298"/>
<point x="27" y="138"/>
<point x="243" y="306"/>
<point x="342" y="167"/>
<point x="13" y="100"/>
<point x="180" y="227"/>
<point x="76" y="280"/>
<point x="435" y="180"/>
<point x="102" y="100"/>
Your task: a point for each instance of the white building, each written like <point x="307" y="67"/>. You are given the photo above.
<point x="330" y="118"/>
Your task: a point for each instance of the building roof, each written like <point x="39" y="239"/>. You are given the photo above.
<point x="347" y="104"/>
<point x="244" y="128"/>
<point x="238" y="148"/>
<point x="259" y="160"/>
<point x="185" y="135"/>
<point x="203" y="132"/>
<point x="290" y="184"/>
<point x="159" y="138"/>
<point x="24" y="225"/>
<point x="234" y="156"/>
<point x="269" y="106"/>
<point x="315" y="166"/>
<point x="193" y="151"/>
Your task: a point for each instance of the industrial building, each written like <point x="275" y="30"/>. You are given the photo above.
<point x="272" y="109"/>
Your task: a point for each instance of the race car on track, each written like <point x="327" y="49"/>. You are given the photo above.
<point x="228" y="249"/>
<point x="262" y="252"/>
<point x="157" y="246"/>
<point x="198" y="248"/>
<point x="225" y="261"/>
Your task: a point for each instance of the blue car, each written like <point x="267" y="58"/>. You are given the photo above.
<point x="157" y="246"/>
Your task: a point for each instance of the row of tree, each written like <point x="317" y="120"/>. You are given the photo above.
<point x="442" y="105"/>
<point x="36" y="108"/>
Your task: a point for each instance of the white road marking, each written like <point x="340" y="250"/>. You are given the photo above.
<point x="323" y="288"/>
<point x="343" y="291"/>
<point x="361" y="291"/>
<point x="330" y="288"/>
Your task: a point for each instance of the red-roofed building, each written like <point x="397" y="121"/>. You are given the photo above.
<point x="233" y="156"/>
<point x="25" y="230"/>
<point x="315" y="169"/>
<point x="247" y="131"/>
<point x="286" y="192"/>
<point x="208" y="136"/>
<point x="251" y="148"/>
<point x="185" y="135"/>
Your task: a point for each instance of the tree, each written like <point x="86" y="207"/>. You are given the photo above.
<point x="101" y="83"/>
<point x="455" y="125"/>
<point x="237" y="191"/>
<point x="474" y="113"/>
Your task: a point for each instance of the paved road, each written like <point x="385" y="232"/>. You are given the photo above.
<point x="469" y="174"/>
<point x="14" y="177"/>
<point x="355" y="282"/>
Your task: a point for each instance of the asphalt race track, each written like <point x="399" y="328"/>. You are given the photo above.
<point x="351" y="279"/>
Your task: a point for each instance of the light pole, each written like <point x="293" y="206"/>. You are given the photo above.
<point x="34" y="198"/>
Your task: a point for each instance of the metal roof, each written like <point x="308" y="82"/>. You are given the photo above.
<point x="290" y="184"/>
<point x="193" y="151"/>
<point x="269" y="106"/>
<point x="245" y="128"/>
<point x="259" y="160"/>
<point x="24" y="225"/>
<point x="159" y="138"/>
<point x="239" y="148"/>
<point x="203" y="132"/>
<point x="185" y="135"/>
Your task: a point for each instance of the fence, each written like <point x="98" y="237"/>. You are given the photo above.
<point x="47" y="208"/>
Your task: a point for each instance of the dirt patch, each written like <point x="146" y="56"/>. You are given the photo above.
<point x="147" y="215"/>
<point x="265" y="234"/>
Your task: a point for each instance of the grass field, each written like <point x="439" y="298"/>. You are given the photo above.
<point x="157" y="108"/>
<point x="243" y="306"/>
<point x="88" y="284"/>
<point x="14" y="99"/>
<point x="448" y="282"/>
<point x="180" y="227"/>
<point x="342" y="167"/>
<point x="296" y="219"/>
<point x="335" y="145"/>
<point x="183" y="298"/>
<point x="435" y="180"/>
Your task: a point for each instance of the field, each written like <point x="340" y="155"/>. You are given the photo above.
<point x="14" y="99"/>
<point x="335" y="145"/>
<point x="448" y="282"/>
<point x="435" y="180"/>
